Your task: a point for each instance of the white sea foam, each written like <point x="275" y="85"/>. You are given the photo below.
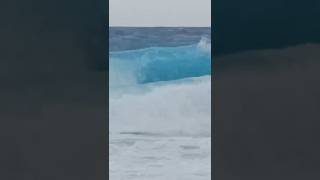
<point x="159" y="158"/>
<point x="181" y="107"/>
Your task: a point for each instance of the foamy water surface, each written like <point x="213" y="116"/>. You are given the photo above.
<point x="160" y="106"/>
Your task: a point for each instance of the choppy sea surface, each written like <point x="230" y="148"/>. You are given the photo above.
<point x="159" y="103"/>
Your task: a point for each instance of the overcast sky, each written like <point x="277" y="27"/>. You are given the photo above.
<point x="160" y="12"/>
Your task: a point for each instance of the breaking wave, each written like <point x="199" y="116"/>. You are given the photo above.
<point x="161" y="90"/>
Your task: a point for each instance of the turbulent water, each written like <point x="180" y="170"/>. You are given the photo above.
<point x="160" y="108"/>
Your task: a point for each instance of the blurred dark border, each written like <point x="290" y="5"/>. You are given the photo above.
<point x="54" y="90"/>
<point x="266" y="93"/>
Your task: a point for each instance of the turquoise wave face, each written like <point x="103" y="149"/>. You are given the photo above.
<point x="159" y="64"/>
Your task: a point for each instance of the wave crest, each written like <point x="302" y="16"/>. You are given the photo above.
<point x="141" y="66"/>
<point x="161" y="90"/>
<point x="205" y="44"/>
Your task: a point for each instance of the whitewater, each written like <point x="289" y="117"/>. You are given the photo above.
<point x="160" y="112"/>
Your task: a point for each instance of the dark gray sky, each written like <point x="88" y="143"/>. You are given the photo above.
<point x="160" y="13"/>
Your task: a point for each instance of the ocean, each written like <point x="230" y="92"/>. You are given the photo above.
<point x="159" y="103"/>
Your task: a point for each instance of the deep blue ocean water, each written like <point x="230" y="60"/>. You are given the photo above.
<point x="128" y="38"/>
